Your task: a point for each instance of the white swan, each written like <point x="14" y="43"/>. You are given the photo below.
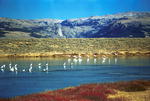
<point x="80" y="59"/>
<point x="87" y="60"/>
<point x="2" y="69"/>
<point x="15" y="67"/>
<point x="103" y="60"/>
<point x="75" y="60"/>
<point x="46" y="69"/>
<point x="12" y="69"/>
<point x="69" y="60"/>
<point x="31" y="65"/>
<point x="39" y="65"/>
<point x="10" y="66"/>
<point x="3" y="66"/>
<point x="64" y="65"/>
<point x="116" y="60"/>
<point x="95" y="60"/>
<point x="24" y="70"/>
<point x="30" y="69"/>
<point x="71" y="65"/>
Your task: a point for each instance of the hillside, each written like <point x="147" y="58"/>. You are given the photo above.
<point x="82" y="46"/>
<point x="130" y="24"/>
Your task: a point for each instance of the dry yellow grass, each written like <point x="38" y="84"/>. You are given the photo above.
<point x="59" y="47"/>
<point x="132" y="96"/>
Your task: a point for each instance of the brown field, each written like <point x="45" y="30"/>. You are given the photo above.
<point x="69" y="47"/>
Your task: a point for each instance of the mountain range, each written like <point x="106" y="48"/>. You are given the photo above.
<point x="129" y="24"/>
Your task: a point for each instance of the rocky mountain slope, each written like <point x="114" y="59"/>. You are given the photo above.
<point x="131" y="24"/>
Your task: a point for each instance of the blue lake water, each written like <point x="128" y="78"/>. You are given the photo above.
<point x="21" y="76"/>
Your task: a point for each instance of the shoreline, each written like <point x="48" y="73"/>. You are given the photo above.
<point x="112" y="54"/>
<point x="134" y="90"/>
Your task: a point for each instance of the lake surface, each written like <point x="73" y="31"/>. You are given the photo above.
<point x="21" y="76"/>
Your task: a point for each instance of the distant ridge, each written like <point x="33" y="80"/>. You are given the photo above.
<point x="129" y="24"/>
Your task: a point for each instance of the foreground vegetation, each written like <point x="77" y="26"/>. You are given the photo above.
<point x="65" y="47"/>
<point x="120" y="91"/>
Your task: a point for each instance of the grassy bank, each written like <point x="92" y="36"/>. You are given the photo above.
<point x="119" y="91"/>
<point x="65" y="47"/>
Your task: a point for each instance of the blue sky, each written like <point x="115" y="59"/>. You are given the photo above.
<point x="67" y="9"/>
